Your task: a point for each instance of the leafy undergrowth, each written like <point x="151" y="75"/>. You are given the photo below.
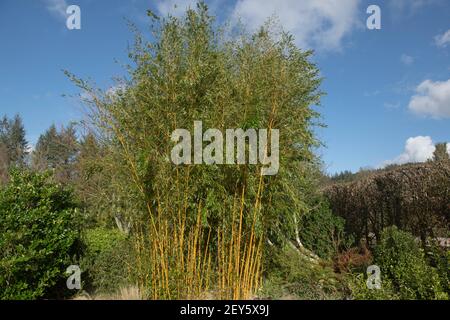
<point x="293" y="276"/>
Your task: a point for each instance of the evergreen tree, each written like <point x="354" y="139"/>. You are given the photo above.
<point x="3" y="163"/>
<point x="57" y="150"/>
<point x="441" y="154"/>
<point x="18" y="143"/>
<point x="4" y="154"/>
<point x="44" y="156"/>
<point x="13" y="141"/>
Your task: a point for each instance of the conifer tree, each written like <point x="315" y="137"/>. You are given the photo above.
<point x="441" y="154"/>
<point x="57" y="150"/>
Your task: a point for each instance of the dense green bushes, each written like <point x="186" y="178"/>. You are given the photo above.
<point x="39" y="239"/>
<point x="322" y="231"/>
<point x="38" y="233"/>
<point x="439" y="258"/>
<point x="292" y="276"/>
<point x="105" y="260"/>
<point x="405" y="271"/>
<point x="403" y="262"/>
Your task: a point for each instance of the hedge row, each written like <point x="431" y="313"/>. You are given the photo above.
<point x="413" y="197"/>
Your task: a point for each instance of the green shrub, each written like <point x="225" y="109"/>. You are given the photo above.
<point x="293" y="276"/>
<point x="440" y="259"/>
<point x="403" y="262"/>
<point x="405" y="273"/>
<point x="322" y="232"/>
<point x="359" y="290"/>
<point x="38" y="233"/>
<point x="104" y="263"/>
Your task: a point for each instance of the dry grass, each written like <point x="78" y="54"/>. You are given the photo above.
<point x="128" y="293"/>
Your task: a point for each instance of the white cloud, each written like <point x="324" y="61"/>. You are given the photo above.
<point x="57" y="7"/>
<point x="114" y="91"/>
<point x="86" y="96"/>
<point x="411" y="6"/>
<point x="315" y="24"/>
<point x="432" y="99"/>
<point x="174" y="7"/>
<point x="321" y="25"/>
<point x="448" y="148"/>
<point x="442" y="40"/>
<point x="390" y="105"/>
<point x="30" y="148"/>
<point x="417" y="149"/>
<point x="406" y="60"/>
<point x="371" y="93"/>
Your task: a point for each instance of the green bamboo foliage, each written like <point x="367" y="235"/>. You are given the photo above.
<point x="202" y="228"/>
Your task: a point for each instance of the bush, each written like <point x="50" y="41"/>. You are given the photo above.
<point x="403" y="261"/>
<point x="104" y="261"/>
<point x="359" y="291"/>
<point x="353" y="260"/>
<point x="38" y="233"/>
<point x="405" y="273"/>
<point x="439" y="258"/>
<point x="322" y="232"/>
<point x="293" y="276"/>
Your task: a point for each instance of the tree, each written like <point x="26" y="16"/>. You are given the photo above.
<point x="57" y="150"/>
<point x="18" y="142"/>
<point x="343" y="176"/>
<point x="12" y="137"/>
<point x="4" y="130"/>
<point x="441" y="154"/>
<point x="44" y="155"/>
<point x="4" y="163"/>
<point x="93" y="181"/>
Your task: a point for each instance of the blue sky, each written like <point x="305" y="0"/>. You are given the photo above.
<point x="388" y="90"/>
